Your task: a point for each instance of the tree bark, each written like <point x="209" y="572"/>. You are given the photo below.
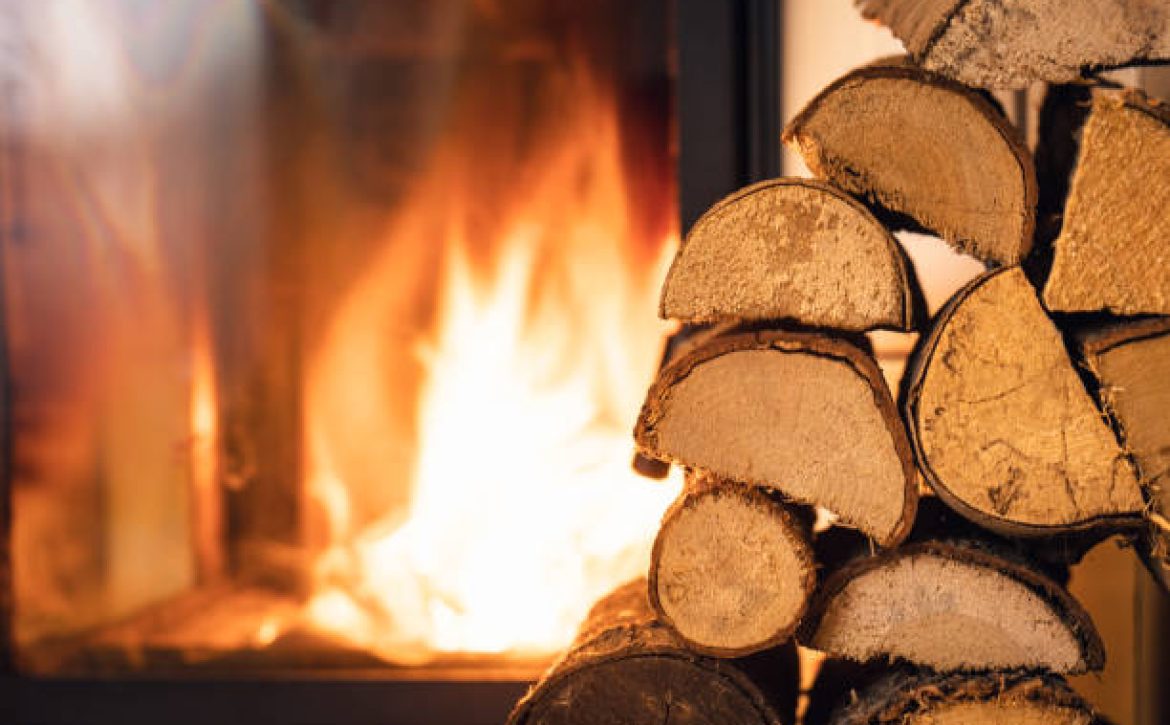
<point x="1131" y="362"/>
<point x="626" y="667"/>
<point x="997" y="44"/>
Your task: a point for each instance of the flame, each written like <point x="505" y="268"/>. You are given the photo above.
<point x="524" y="508"/>
<point x="206" y="503"/>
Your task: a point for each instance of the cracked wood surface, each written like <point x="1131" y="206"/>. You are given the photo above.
<point x="1004" y="429"/>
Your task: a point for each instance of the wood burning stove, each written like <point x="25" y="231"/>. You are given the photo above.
<point x="193" y="195"/>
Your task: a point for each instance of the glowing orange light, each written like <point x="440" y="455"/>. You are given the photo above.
<point x="524" y="506"/>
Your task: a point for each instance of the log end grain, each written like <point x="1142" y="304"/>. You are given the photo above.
<point x="952" y="608"/>
<point x="793" y="249"/>
<point x="803" y="413"/>
<point x="732" y="569"/>
<point x="1004" y="428"/>
<point x="921" y="146"/>
<point x="1114" y="246"/>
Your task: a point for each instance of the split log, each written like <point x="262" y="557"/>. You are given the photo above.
<point x="1004" y="429"/>
<point x="793" y="249"/>
<point x="921" y="146"/>
<point x="1114" y="245"/>
<point x="1132" y="364"/>
<point x="924" y="698"/>
<point x="1062" y="117"/>
<point x="951" y="606"/>
<point x="732" y="568"/>
<point x="803" y="413"/>
<point x="626" y="667"/>
<point x="997" y="44"/>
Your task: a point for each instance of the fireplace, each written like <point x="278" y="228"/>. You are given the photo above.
<point x="325" y="326"/>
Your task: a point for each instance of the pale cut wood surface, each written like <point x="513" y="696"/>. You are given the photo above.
<point x="795" y="249"/>
<point x="1113" y="252"/>
<point x="1012" y="43"/>
<point x="625" y="666"/>
<point x="951" y="607"/>
<point x="1002" y="425"/>
<point x="732" y="568"/>
<point x="804" y="413"/>
<point x="921" y="146"/>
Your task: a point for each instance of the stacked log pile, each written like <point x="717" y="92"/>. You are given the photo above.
<point x="1029" y="426"/>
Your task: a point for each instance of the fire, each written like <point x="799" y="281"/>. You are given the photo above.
<point x="524" y="508"/>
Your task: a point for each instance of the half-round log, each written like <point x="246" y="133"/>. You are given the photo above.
<point x="919" y="145"/>
<point x="793" y="249"/>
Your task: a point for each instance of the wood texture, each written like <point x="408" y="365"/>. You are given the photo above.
<point x="922" y="147"/>
<point x="921" y="698"/>
<point x="951" y="606"/>
<point x="1132" y="365"/>
<point x="793" y="249"/>
<point x="1114" y="245"/>
<point x="732" y="568"/>
<point x="773" y="408"/>
<point x="1063" y="112"/>
<point x="1002" y="425"/>
<point x="626" y="667"/>
<point x="1012" y="43"/>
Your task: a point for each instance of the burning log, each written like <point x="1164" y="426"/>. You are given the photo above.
<point x="952" y="606"/>
<point x="1003" y="427"/>
<point x="793" y="249"/>
<point x="923" y="698"/>
<point x="627" y="667"/>
<point x="929" y="152"/>
<point x="1132" y="364"/>
<point x="732" y="568"/>
<point x="993" y="44"/>
<point x="1119" y="184"/>
<point x="770" y="408"/>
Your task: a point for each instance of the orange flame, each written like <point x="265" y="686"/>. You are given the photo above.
<point x="524" y="508"/>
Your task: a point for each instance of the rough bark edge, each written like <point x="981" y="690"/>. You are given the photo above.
<point x="904" y="70"/>
<point x="917" y="42"/>
<point x="700" y="485"/>
<point x="808" y="343"/>
<point x="885" y="12"/>
<point x="917" y="367"/>
<point x="1051" y="556"/>
<point x="890" y="698"/>
<point x="622" y="626"/>
<point x="1153" y="545"/>
<point x="912" y="314"/>
<point x="978" y="554"/>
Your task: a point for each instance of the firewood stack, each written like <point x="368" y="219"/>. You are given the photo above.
<point x="1033" y="406"/>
